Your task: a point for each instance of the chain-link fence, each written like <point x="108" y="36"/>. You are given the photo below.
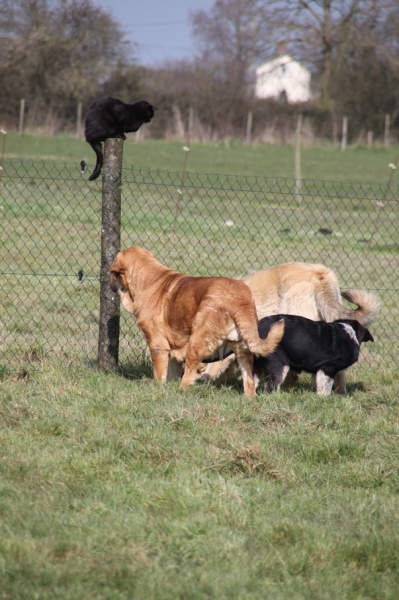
<point x="208" y="225"/>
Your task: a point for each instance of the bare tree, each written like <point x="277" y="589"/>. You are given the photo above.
<point x="232" y="37"/>
<point x="321" y="30"/>
<point x="234" y="30"/>
<point x="55" y="53"/>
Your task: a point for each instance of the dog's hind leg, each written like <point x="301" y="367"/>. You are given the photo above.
<point x="160" y="363"/>
<point x="340" y="382"/>
<point x="197" y="349"/>
<point x="193" y="360"/>
<point x="204" y="342"/>
<point x="245" y="361"/>
<point x="276" y="378"/>
<point x="291" y="378"/>
<point x="323" y="383"/>
<point x="218" y="368"/>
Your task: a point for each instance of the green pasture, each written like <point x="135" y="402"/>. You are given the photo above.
<point x="208" y="224"/>
<point x="115" y="487"/>
<point x="121" y="488"/>
<point x="325" y="162"/>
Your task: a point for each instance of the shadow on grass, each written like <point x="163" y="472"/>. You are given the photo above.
<point x="351" y="388"/>
<point x="131" y="371"/>
<point x="141" y="369"/>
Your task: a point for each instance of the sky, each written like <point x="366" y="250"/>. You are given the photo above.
<point x="160" y="27"/>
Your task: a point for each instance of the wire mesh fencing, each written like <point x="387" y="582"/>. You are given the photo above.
<point x="206" y="224"/>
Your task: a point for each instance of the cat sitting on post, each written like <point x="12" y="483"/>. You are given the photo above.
<point x="112" y="118"/>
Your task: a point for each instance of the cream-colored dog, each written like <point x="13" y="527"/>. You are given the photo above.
<point x="306" y="290"/>
<point x="188" y="319"/>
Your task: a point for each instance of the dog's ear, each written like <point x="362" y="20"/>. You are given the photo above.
<point x="362" y="333"/>
<point x="116" y="283"/>
<point x="367" y="336"/>
<point x="116" y="271"/>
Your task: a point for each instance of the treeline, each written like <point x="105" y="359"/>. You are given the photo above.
<point x="57" y="54"/>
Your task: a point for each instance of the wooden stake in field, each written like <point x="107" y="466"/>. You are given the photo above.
<point x="21" y="117"/>
<point x="78" y="121"/>
<point x="386" y="132"/>
<point x="344" y="133"/>
<point x="108" y="338"/>
<point x="298" y="176"/>
<point x="380" y="205"/>
<point x="180" y="189"/>
<point x="3" y="148"/>
<point x="190" y="125"/>
<point x="249" y="129"/>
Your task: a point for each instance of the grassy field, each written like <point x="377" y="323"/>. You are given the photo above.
<point x="115" y="487"/>
<point x="356" y="164"/>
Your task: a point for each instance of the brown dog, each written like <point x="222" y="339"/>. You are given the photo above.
<point x="306" y="290"/>
<point x="189" y="319"/>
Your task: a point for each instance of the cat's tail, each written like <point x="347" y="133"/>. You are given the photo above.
<point x="98" y="149"/>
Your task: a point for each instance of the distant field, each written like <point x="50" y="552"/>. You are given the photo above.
<point x="357" y="164"/>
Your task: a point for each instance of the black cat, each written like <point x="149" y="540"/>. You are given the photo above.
<point x="112" y="118"/>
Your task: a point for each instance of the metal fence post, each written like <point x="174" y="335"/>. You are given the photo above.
<point x="108" y="338"/>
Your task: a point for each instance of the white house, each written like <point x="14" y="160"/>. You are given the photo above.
<point x="283" y="76"/>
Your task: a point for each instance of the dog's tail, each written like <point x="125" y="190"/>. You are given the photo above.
<point x="256" y="345"/>
<point x="368" y="306"/>
<point x="330" y="307"/>
<point x="263" y="347"/>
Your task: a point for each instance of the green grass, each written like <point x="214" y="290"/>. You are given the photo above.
<point x="356" y="164"/>
<point x="115" y="488"/>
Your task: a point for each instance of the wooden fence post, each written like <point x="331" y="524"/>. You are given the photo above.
<point x="298" y="176"/>
<point x="386" y="132"/>
<point x="334" y="131"/>
<point x="344" y="133"/>
<point x="78" y="120"/>
<point x="21" y="117"/>
<point x="108" y="338"/>
<point x="190" y="125"/>
<point x="249" y="129"/>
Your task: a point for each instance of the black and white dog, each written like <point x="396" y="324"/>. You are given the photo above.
<point x="323" y="349"/>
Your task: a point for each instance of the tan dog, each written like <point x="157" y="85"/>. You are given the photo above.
<point x="188" y="319"/>
<point x="306" y="290"/>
